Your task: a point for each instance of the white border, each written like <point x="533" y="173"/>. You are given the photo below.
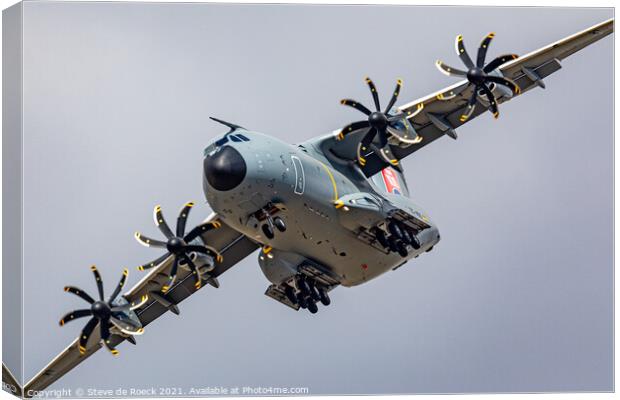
<point x="528" y="3"/>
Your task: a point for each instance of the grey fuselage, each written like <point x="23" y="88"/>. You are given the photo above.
<point x="244" y="175"/>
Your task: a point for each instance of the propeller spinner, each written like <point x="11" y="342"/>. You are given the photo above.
<point x="178" y="245"/>
<point x="378" y="123"/>
<point x="479" y="75"/>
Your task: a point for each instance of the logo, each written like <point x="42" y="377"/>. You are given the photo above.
<point x="392" y="184"/>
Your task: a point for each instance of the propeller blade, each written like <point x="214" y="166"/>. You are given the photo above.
<point x="482" y="50"/>
<point x="452" y="93"/>
<point x="375" y="95"/>
<point x="352" y="128"/>
<point x="73" y="315"/>
<point x="386" y="154"/>
<point x="120" y="285"/>
<point x="462" y="53"/>
<point x="111" y="349"/>
<point x="161" y="223"/>
<point x="356" y="105"/>
<point x="153" y="263"/>
<point x="182" y="219"/>
<point x="364" y="145"/>
<point x="105" y="336"/>
<point x="126" y="327"/>
<point x="86" y="332"/>
<point x="198" y="249"/>
<point x="80" y="293"/>
<point x="399" y="84"/>
<point x="172" y="277"/>
<point x="98" y="280"/>
<point x="418" y="109"/>
<point x="499" y="61"/>
<point x="194" y="270"/>
<point x="471" y="106"/>
<point x="137" y="304"/>
<point x="492" y="102"/>
<point x="105" y="330"/>
<point x="448" y="70"/>
<point x="148" y="242"/>
<point x="509" y="83"/>
<point x="200" y="229"/>
<point x="403" y="136"/>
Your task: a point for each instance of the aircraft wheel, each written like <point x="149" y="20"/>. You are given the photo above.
<point x="268" y="231"/>
<point x="393" y="244"/>
<point x="324" y="297"/>
<point x="301" y="300"/>
<point x="415" y="242"/>
<point x="395" y="229"/>
<point x="406" y="236"/>
<point x="302" y="285"/>
<point x="402" y="249"/>
<point x="313" y="291"/>
<point x="279" y="223"/>
<point x="312" y="307"/>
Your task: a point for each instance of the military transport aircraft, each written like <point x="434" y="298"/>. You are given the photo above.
<point x="332" y="211"/>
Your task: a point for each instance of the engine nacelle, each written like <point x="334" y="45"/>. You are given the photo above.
<point x="203" y="262"/>
<point x="499" y="91"/>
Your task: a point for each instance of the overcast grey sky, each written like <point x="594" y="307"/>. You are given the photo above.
<point x="516" y="297"/>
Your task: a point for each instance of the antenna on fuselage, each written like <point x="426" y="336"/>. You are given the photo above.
<point x="232" y="126"/>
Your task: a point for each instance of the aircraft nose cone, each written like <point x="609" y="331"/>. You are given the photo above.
<point x="225" y="169"/>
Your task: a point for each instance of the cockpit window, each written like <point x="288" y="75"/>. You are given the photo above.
<point x="233" y="136"/>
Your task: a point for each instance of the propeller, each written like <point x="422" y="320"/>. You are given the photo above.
<point x="105" y="313"/>
<point x="379" y="123"/>
<point x="479" y="75"/>
<point x="178" y="245"/>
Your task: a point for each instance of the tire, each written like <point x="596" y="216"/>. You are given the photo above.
<point x="301" y="300"/>
<point x="302" y="285"/>
<point x="415" y="242"/>
<point x="324" y="297"/>
<point x="312" y="307"/>
<point x="402" y="249"/>
<point x="268" y="231"/>
<point x="406" y="236"/>
<point x="314" y="293"/>
<point x="279" y="224"/>
<point x="395" y="229"/>
<point x="393" y="244"/>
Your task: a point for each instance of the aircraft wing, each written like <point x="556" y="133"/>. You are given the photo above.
<point x="438" y="114"/>
<point x="232" y="245"/>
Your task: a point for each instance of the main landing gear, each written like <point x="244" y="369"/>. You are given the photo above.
<point x="308" y="293"/>
<point x="399" y="237"/>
